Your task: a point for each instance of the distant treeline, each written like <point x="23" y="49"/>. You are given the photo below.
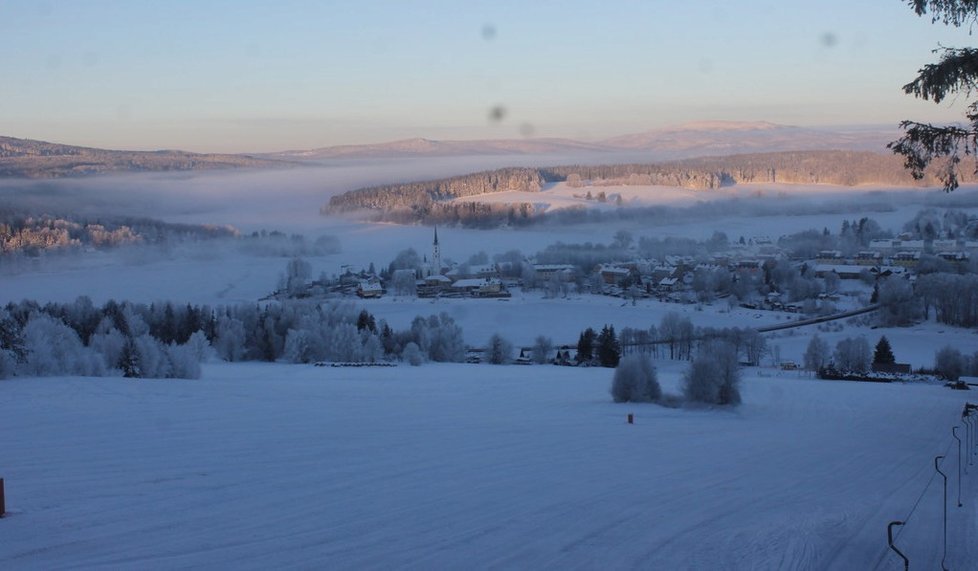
<point x="429" y="201"/>
<point x="29" y="233"/>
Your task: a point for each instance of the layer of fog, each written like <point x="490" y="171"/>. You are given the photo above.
<point x="289" y="201"/>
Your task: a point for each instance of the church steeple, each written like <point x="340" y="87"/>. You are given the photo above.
<point x="436" y="255"/>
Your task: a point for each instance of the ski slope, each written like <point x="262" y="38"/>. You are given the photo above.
<point x="262" y="466"/>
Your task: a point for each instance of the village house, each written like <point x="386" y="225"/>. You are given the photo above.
<point x="868" y="258"/>
<point x="905" y="259"/>
<point x="546" y="272"/>
<point x="479" y="287"/>
<point x="844" y="271"/>
<point x="370" y="289"/>
<point x="614" y="275"/>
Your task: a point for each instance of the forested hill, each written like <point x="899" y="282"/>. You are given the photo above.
<point x="848" y="168"/>
<point x="38" y="159"/>
<point x="423" y="194"/>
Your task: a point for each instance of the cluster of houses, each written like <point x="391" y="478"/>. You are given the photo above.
<point x="893" y="256"/>
<point x="437" y="281"/>
<point x="670" y="278"/>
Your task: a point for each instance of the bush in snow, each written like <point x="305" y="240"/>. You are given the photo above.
<point x="499" y="351"/>
<point x="635" y="380"/>
<point x="412" y="354"/>
<point x="713" y="376"/>
<point x="950" y="362"/>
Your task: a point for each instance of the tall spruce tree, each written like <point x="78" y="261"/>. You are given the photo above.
<point x="609" y="350"/>
<point x="883" y="353"/>
<point x="585" y="346"/>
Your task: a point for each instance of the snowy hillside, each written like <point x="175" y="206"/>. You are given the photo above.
<point x="445" y="466"/>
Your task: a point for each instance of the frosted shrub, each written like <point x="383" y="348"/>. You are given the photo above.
<point x="635" y="380"/>
<point x="412" y="354"/>
<point x="713" y="376"/>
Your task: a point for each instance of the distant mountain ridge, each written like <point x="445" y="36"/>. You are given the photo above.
<point x="676" y="142"/>
<point x="39" y="159"/>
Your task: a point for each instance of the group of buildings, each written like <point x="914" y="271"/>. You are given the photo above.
<point x="671" y="277"/>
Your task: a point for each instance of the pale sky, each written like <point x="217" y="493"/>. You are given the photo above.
<point x="238" y="75"/>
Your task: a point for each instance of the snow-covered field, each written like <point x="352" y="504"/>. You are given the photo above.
<point x="450" y="466"/>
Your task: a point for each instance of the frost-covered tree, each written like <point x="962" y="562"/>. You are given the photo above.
<point x="817" y="354"/>
<point x="153" y="358"/>
<point x="108" y="342"/>
<point x="53" y="348"/>
<point x="440" y="338"/>
<point x="405" y="260"/>
<point x="852" y="354"/>
<point x="404" y="282"/>
<point x="713" y="376"/>
<point x="754" y="344"/>
<point x="297" y="274"/>
<point x="297" y="346"/>
<point x="499" y="351"/>
<point x="230" y="339"/>
<point x="412" y="354"/>
<point x="183" y="361"/>
<point x="542" y="346"/>
<point x="201" y="347"/>
<point x="635" y="380"/>
<point x="950" y="363"/>
<point x="899" y="306"/>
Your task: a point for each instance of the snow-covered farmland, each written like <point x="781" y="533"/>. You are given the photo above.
<point x="449" y="466"/>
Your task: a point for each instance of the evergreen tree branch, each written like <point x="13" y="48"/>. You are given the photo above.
<point x="957" y="71"/>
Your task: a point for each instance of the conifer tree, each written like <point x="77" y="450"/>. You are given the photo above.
<point x="585" y="346"/>
<point x="883" y="353"/>
<point x="609" y="350"/>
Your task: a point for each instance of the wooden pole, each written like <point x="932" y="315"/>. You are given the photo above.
<point x="3" y="507"/>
